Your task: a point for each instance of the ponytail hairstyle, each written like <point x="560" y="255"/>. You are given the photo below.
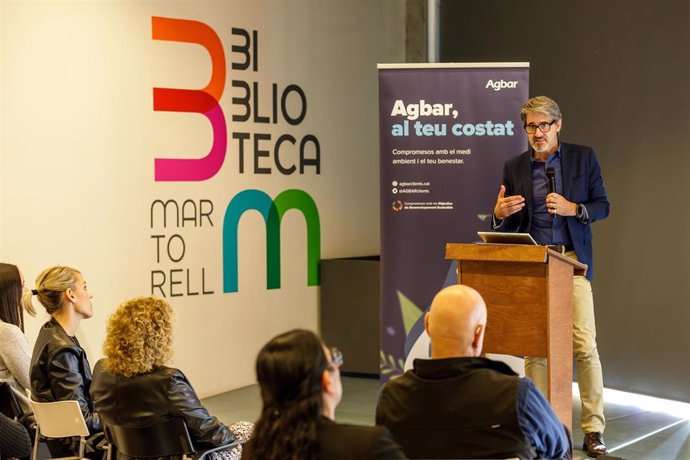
<point x="289" y="369"/>
<point x="50" y="287"/>
<point x="11" y="296"/>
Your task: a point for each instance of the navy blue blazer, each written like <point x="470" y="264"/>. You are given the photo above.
<point x="582" y="183"/>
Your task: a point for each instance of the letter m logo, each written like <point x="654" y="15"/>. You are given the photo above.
<point x="272" y="212"/>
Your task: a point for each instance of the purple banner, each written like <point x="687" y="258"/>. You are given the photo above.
<point x="445" y="130"/>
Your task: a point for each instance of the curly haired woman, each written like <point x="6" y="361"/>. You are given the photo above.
<point x="133" y="387"/>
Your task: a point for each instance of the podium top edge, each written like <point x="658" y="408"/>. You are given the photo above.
<point x="509" y="253"/>
<point x="497" y="252"/>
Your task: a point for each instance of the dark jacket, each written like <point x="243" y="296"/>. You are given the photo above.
<point x="582" y="183"/>
<point x="464" y="408"/>
<point x="354" y="442"/>
<point x="145" y="399"/>
<point x="61" y="372"/>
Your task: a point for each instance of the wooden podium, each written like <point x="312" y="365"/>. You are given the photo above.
<point x="528" y="292"/>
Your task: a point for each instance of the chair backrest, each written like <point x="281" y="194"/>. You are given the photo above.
<point x="9" y="405"/>
<point x="59" y="419"/>
<point x="169" y="437"/>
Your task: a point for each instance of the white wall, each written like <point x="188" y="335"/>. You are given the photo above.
<point x="79" y="137"/>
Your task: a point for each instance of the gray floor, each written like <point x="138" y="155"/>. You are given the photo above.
<point x="630" y="432"/>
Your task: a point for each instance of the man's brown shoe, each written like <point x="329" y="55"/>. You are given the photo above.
<point x="594" y="445"/>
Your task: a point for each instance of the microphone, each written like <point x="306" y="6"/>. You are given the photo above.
<point x="551" y="180"/>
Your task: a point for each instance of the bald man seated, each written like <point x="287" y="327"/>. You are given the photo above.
<point x="460" y="405"/>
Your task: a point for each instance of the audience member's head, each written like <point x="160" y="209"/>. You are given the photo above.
<point x="11" y="288"/>
<point x="139" y="336"/>
<point x="57" y="287"/>
<point x="469" y="406"/>
<point x="456" y="322"/>
<point x="300" y="381"/>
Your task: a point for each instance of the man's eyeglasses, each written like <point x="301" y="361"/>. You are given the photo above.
<point x="336" y="357"/>
<point x="544" y="127"/>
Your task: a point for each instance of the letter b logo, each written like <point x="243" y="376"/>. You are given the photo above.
<point x="204" y="101"/>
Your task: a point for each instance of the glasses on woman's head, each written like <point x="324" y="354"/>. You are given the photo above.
<point x="336" y="357"/>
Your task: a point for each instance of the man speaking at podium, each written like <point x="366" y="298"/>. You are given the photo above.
<point x="554" y="191"/>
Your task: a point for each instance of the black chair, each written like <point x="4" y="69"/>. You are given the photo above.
<point x="9" y="406"/>
<point x="14" y="439"/>
<point x="163" y="439"/>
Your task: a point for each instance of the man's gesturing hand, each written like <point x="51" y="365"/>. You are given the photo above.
<point x="507" y="206"/>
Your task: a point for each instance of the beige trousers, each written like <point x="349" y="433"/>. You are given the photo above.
<point x="589" y="375"/>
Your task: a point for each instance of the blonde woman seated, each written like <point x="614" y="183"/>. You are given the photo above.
<point x="60" y="370"/>
<point x="133" y="387"/>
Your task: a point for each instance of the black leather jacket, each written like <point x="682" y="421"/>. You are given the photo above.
<point x="145" y="399"/>
<point x="60" y="371"/>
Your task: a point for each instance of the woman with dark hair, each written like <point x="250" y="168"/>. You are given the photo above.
<point x="132" y="386"/>
<point x="60" y="370"/>
<point x="14" y="347"/>
<point x="300" y="388"/>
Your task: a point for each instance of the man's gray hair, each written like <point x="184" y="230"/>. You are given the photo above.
<point x="541" y="104"/>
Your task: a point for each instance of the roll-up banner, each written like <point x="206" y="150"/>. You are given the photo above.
<point x="445" y="131"/>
